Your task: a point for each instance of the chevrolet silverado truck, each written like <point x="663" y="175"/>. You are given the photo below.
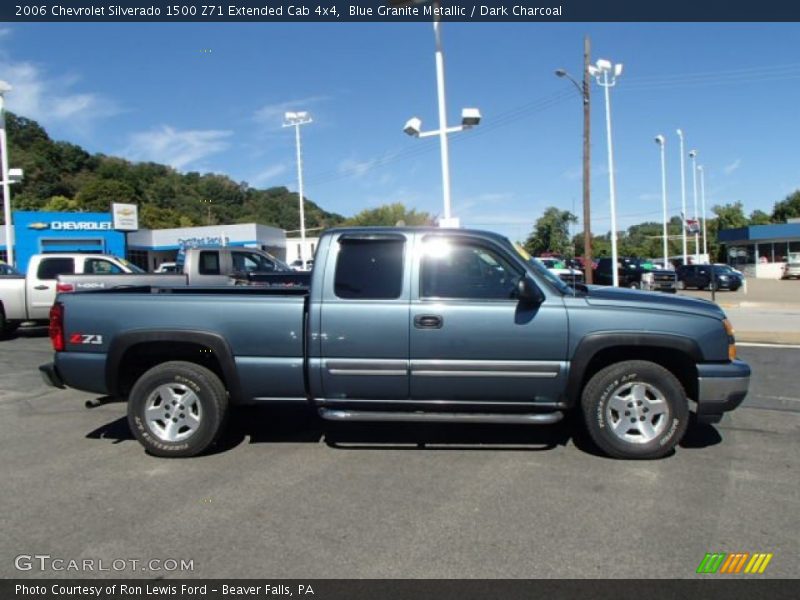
<point x="29" y="297"/>
<point x="405" y="324"/>
<point x="204" y="266"/>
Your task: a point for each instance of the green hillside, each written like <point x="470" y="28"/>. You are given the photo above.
<point x="63" y="176"/>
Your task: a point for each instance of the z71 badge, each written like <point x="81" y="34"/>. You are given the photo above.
<point x="85" y="338"/>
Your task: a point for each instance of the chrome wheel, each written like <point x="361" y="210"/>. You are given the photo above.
<point x="637" y="412"/>
<point x="173" y="412"/>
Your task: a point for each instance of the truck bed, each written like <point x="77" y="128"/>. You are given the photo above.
<point x="262" y="327"/>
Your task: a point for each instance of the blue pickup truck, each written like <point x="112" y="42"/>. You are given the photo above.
<point x="405" y="324"/>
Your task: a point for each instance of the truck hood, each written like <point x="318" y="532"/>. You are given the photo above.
<point x="625" y="298"/>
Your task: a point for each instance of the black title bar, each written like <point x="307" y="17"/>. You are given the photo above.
<point x="300" y="11"/>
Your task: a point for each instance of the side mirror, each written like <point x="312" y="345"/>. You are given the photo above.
<point x="529" y="292"/>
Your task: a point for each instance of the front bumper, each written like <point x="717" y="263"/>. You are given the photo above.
<point x="51" y="376"/>
<point x="720" y="388"/>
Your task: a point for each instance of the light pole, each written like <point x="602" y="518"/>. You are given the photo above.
<point x="4" y="88"/>
<point x="661" y="141"/>
<point x="584" y="91"/>
<point x="683" y="200"/>
<point x="470" y="118"/>
<point x="693" y="156"/>
<point x="703" y="208"/>
<point x="606" y="75"/>
<point x="296" y="119"/>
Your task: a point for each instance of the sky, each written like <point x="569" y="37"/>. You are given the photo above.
<point x="211" y="97"/>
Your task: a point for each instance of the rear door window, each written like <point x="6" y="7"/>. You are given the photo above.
<point x="51" y="268"/>
<point x="369" y="269"/>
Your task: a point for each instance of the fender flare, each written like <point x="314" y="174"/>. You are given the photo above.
<point x="218" y="345"/>
<point x="593" y="343"/>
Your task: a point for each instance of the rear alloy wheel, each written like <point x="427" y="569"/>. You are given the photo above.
<point x="177" y="409"/>
<point x="635" y="409"/>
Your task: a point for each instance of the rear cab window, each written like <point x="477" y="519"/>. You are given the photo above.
<point x="369" y="268"/>
<point x="209" y="263"/>
<point x="51" y="268"/>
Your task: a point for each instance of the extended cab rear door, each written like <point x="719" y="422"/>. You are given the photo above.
<point x="471" y="339"/>
<point x="363" y="319"/>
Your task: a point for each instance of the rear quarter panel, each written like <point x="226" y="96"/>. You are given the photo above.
<point x="12" y="297"/>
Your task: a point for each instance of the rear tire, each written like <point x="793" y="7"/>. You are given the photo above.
<point x="177" y="409"/>
<point x="6" y="328"/>
<point x="635" y="409"/>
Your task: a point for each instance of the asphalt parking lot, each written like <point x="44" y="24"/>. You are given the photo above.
<point x="288" y="496"/>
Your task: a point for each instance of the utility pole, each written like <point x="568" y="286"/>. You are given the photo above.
<point x="587" y="212"/>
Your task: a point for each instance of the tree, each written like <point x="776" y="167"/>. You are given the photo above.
<point x="759" y="217"/>
<point x="787" y="208"/>
<point x="730" y="216"/>
<point x="390" y="215"/>
<point x="551" y="233"/>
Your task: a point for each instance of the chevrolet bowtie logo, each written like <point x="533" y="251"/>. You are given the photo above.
<point x="125" y="212"/>
<point x="735" y="562"/>
<point x="39" y="225"/>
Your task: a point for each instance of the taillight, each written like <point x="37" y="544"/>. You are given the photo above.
<point x="65" y="287"/>
<point x="56" y="329"/>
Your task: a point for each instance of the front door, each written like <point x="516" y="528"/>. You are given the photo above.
<point x="471" y="339"/>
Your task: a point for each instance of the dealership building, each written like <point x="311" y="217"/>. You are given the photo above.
<point x="761" y="250"/>
<point x="38" y="232"/>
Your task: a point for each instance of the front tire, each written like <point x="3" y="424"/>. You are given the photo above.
<point x="177" y="409"/>
<point x="635" y="410"/>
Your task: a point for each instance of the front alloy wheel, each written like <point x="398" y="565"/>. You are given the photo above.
<point x="635" y="409"/>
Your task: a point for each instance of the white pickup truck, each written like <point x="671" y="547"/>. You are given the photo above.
<point x="29" y="298"/>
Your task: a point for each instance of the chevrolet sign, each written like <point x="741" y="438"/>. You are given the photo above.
<point x="80" y="226"/>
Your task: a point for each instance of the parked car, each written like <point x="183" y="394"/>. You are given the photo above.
<point x="792" y="267"/>
<point x="702" y="277"/>
<point x="405" y="324"/>
<point x="297" y="265"/>
<point x="567" y="274"/>
<point x="211" y="266"/>
<point x="7" y="270"/>
<point x="29" y="297"/>
<point x="167" y="267"/>
<point x="636" y="273"/>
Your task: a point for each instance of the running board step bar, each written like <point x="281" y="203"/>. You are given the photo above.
<point x="330" y="414"/>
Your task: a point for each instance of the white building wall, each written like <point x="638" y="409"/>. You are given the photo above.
<point x="293" y="248"/>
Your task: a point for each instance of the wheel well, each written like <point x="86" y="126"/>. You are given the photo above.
<point x="143" y="356"/>
<point x="680" y="364"/>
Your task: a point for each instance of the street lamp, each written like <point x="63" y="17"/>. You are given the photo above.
<point x="693" y="156"/>
<point x="683" y="200"/>
<point x="661" y="141"/>
<point x="296" y="119"/>
<point x="470" y="117"/>
<point x="703" y="207"/>
<point x="4" y="88"/>
<point x="606" y="75"/>
<point x="584" y="91"/>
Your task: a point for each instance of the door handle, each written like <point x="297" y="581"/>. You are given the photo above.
<point x="428" y="322"/>
<point x="42" y="287"/>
